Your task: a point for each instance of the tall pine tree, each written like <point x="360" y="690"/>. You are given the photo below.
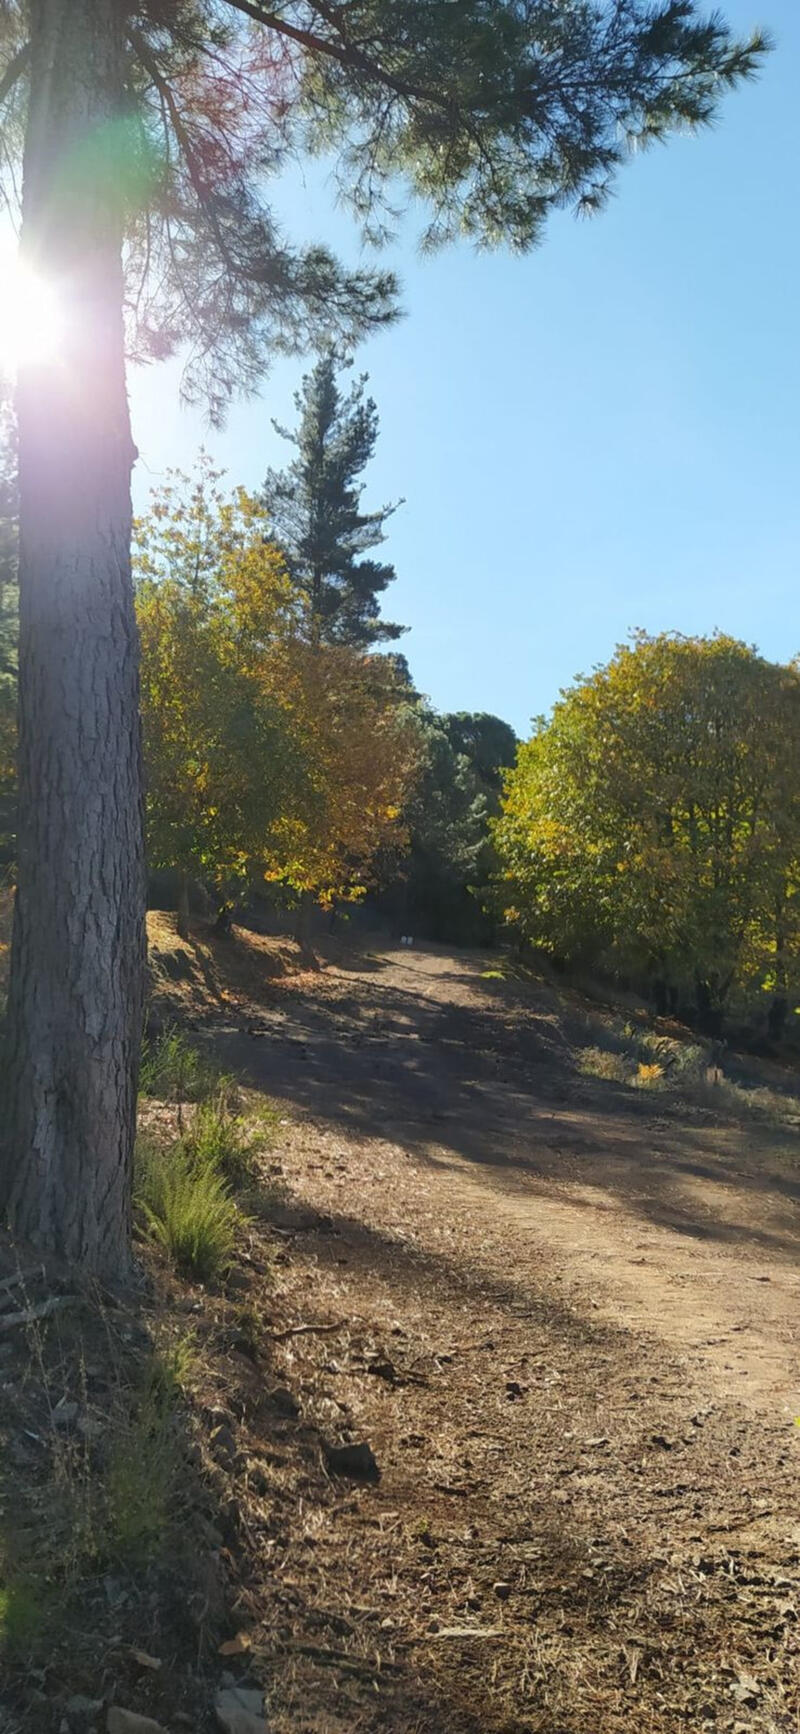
<point x="315" y="505"/>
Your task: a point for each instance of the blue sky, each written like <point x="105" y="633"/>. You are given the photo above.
<point x="601" y="436"/>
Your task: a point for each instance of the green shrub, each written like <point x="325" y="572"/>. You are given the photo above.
<point x="187" y="1208"/>
<point x="173" y="1071"/>
<point x="216" y="1139"/>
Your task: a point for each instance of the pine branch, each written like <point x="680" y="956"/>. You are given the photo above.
<point x="14" y="71"/>
<point x="345" y="53"/>
<point x="193" y="167"/>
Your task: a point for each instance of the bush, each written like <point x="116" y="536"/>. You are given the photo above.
<point x="600" y="1063"/>
<point x="173" y="1071"/>
<point x="649" y="1076"/>
<point x="186" y="1206"/>
<point x="217" y="1140"/>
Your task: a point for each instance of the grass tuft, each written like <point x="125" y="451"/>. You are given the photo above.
<point x="187" y="1208"/>
<point x="218" y="1140"/>
<point x="143" y="1468"/>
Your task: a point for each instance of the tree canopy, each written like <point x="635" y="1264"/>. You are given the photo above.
<point x="493" y="113"/>
<point x="447" y="869"/>
<point x="267" y="757"/>
<point x="652" y="825"/>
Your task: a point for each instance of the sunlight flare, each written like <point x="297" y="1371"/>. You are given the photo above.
<point x="31" y="316"/>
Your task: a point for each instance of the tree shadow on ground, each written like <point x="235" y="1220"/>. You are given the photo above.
<point x="493" y="1083"/>
<point x="113" y="1507"/>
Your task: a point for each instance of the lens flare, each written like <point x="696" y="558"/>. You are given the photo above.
<point x="31" y="317"/>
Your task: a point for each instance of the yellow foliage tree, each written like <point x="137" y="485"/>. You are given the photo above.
<point x="266" y="756"/>
<point x="653" y="824"/>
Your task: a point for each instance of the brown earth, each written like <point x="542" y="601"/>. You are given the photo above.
<point x="569" y="1330"/>
<point x="564" y="1316"/>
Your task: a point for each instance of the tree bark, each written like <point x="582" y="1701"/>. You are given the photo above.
<point x="77" y="966"/>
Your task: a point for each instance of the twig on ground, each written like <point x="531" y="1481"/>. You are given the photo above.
<point x="44" y="1310"/>
<point x="339" y="1659"/>
<point x="305" y="1331"/>
<point x="20" y="1277"/>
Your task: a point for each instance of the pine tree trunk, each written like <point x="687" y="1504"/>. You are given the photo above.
<point x="77" y="967"/>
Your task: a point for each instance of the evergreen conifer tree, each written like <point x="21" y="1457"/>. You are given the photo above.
<point x="315" y="505"/>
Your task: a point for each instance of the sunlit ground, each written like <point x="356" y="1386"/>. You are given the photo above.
<point x="31" y="321"/>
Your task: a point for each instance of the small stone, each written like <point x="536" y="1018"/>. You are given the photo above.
<point x="89" y="1427"/>
<point x="240" y="1710"/>
<point x="223" y="1445"/>
<point x="130" y="1722"/>
<point x="83" y="1711"/>
<point x="358" y="1461"/>
<point x="382" y="1368"/>
<point x="293" y="1218"/>
<point x="237" y="1282"/>
<point x="116" y="1593"/>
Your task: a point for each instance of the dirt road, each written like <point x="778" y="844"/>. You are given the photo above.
<point x="565" y="1315"/>
<point x="689" y="1231"/>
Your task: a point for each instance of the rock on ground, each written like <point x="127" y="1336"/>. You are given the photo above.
<point x="240" y="1710"/>
<point x="130" y="1722"/>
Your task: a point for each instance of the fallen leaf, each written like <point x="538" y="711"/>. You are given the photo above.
<point x="237" y="1646"/>
<point x="746" y="1689"/>
<point x="146" y="1661"/>
<point x="633" y="1657"/>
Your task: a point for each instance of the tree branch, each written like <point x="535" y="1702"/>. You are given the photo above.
<point x="346" y="54"/>
<point x="14" y="71"/>
<point x="193" y="167"/>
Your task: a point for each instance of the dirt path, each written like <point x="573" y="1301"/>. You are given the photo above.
<point x="689" y="1232"/>
<point x="565" y="1317"/>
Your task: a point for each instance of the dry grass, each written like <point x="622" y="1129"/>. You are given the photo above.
<point x="683" y="1071"/>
